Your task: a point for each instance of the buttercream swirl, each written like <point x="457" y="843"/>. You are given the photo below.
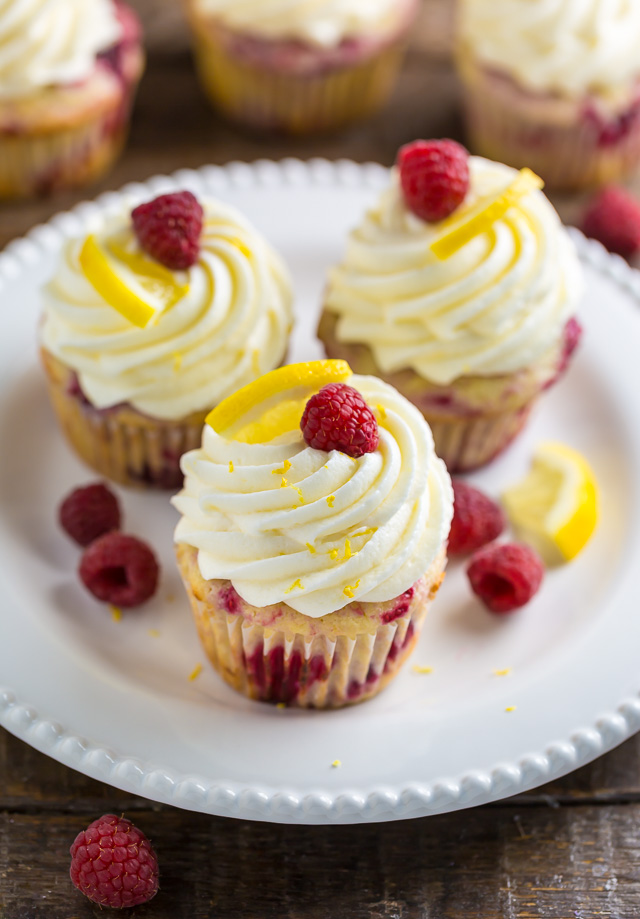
<point x="231" y="325"/>
<point x="290" y="524"/>
<point x="50" y="42"/>
<point x="321" y="22"/>
<point x="569" y="46"/>
<point x="496" y="306"/>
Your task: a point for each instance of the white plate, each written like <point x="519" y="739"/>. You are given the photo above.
<point x="116" y="703"/>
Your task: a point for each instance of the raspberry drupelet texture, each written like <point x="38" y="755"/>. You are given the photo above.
<point x="613" y="218"/>
<point x="169" y="227"/>
<point x="113" y="863"/>
<point x="434" y="175"/>
<point x="338" y="418"/>
<point x="477" y="520"/>
<point x="89" y="512"/>
<point x="505" y="576"/>
<point x="120" y="569"/>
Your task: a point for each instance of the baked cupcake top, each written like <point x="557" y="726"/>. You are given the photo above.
<point x="316" y="529"/>
<point x="169" y="341"/>
<point x="566" y="46"/>
<point x="325" y="23"/>
<point x="486" y="291"/>
<point x="50" y="42"/>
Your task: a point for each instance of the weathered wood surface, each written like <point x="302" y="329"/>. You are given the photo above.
<point x="566" y="851"/>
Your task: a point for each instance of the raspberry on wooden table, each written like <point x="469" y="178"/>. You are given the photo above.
<point x="338" y="418"/>
<point x="120" y="569"/>
<point x="113" y="863"/>
<point x="505" y="576"/>
<point x="613" y="218"/>
<point x="434" y="175"/>
<point x="169" y="227"/>
<point x="477" y="520"/>
<point x="89" y="512"/>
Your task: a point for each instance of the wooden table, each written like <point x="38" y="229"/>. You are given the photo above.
<point x="566" y="851"/>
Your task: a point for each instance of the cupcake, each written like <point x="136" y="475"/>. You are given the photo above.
<point x="152" y="320"/>
<point x="299" y="67"/>
<point x="68" y="73"/>
<point x="313" y="535"/>
<point x="553" y="85"/>
<point x="470" y="315"/>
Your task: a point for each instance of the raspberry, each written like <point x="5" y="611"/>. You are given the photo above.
<point x="338" y="418"/>
<point x="113" y="863"/>
<point x="120" y="569"/>
<point x="169" y="229"/>
<point x="477" y="519"/>
<point x="613" y="218"/>
<point x="89" y="512"/>
<point x="434" y="175"/>
<point x="505" y="576"/>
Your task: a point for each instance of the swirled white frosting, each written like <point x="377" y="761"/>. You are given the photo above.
<point x="49" y="42"/>
<point x="339" y="530"/>
<point x="321" y="22"/>
<point x="230" y="327"/>
<point x="496" y="306"/>
<point x="570" y="46"/>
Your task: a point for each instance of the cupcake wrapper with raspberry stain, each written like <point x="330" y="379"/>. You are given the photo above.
<point x="303" y="662"/>
<point x="121" y="444"/>
<point x="567" y="150"/>
<point x="265" y="99"/>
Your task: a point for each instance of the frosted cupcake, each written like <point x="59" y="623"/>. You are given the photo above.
<point x="152" y="320"/>
<point x="471" y="316"/>
<point x="553" y="85"/>
<point x="313" y="535"/>
<point x="68" y="74"/>
<point x="302" y="66"/>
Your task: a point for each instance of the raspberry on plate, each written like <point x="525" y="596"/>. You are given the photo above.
<point x="434" y="175"/>
<point x="505" y="576"/>
<point x="613" y="218"/>
<point x="338" y="418"/>
<point x="477" y="520"/>
<point x="120" y="569"/>
<point x="89" y="512"/>
<point x="113" y="863"/>
<point x="169" y="227"/>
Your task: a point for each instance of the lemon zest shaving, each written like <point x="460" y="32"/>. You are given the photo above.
<point x="312" y="549"/>
<point x="154" y="633"/>
<point x="284" y="483"/>
<point x="195" y="673"/>
<point x="504" y="672"/>
<point x="333" y="554"/>
<point x="177" y="361"/>
<point x="116" y="613"/>
<point x="296" y="584"/>
<point x="510" y="708"/>
<point x="349" y="591"/>
<point x="331" y="500"/>
<point x="284" y="470"/>
<point x="230" y="465"/>
<point x="300" y="495"/>
<point x="418" y="668"/>
<point x="336" y="764"/>
<point x="347" y="550"/>
<point x="382" y="412"/>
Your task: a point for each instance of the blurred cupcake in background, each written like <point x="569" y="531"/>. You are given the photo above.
<point x="553" y="85"/>
<point x="460" y="288"/>
<point x="302" y="66"/>
<point x="150" y="321"/>
<point x="68" y="74"/>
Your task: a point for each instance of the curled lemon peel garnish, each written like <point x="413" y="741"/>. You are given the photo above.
<point x="273" y="404"/>
<point x="461" y="228"/>
<point x="555" y="508"/>
<point x="148" y="290"/>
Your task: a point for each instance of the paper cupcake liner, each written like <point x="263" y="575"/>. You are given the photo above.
<point x="307" y="663"/>
<point x="119" y="443"/>
<point x="465" y="445"/>
<point x="34" y="164"/>
<point x="269" y="100"/>
<point x="571" y="153"/>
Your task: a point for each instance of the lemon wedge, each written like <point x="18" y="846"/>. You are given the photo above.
<point x="555" y="508"/>
<point x="138" y="287"/>
<point x="273" y="404"/>
<point x="460" y="229"/>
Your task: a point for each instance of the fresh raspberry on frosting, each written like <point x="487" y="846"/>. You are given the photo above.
<point x="613" y="218"/>
<point x="113" y="863"/>
<point x="120" y="569"/>
<point x="338" y="418"/>
<point x="89" y="512"/>
<point x="505" y="576"/>
<point x="434" y="175"/>
<point x="477" y="520"/>
<point x="169" y="227"/>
